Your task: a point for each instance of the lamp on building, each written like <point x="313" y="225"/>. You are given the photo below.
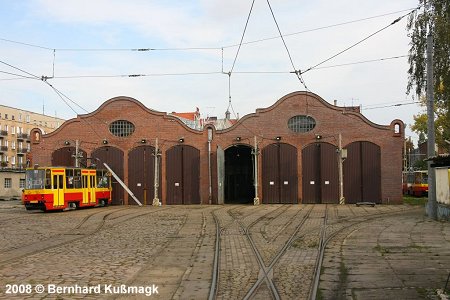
<point x="143" y="141"/>
<point x="278" y="138"/>
<point x="318" y="137"/>
<point x="181" y="140"/>
<point x="67" y="143"/>
<point x="105" y="142"/>
<point x="238" y="138"/>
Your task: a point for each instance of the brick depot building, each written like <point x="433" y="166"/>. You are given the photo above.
<point x="297" y="154"/>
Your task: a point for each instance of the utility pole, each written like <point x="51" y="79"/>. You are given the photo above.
<point x="156" y="177"/>
<point x="432" y="205"/>
<point x="77" y="155"/>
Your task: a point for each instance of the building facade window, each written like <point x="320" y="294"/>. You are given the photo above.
<point x="27" y="118"/>
<point x="121" y="128"/>
<point x="301" y="123"/>
<point x="8" y="183"/>
<point x="21" y="183"/>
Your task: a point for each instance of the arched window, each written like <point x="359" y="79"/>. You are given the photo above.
<point x="121" y="128"/>
<point x="301" y="123"/>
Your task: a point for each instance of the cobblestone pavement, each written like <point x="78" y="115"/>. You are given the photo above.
<point x="168" y="252"/>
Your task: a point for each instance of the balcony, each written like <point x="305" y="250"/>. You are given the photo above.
<point x="3" y="133"/>
<point x="4" y="148"/>
<point x="22" y="151"/>
<point x="23" y="136"/>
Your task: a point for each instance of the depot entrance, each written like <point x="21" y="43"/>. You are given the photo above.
<point x="238" y="185"/>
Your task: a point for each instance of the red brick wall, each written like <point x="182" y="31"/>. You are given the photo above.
<point x="266" y="124"/>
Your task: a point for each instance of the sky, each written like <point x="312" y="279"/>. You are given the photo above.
<point x="86" y="44"/>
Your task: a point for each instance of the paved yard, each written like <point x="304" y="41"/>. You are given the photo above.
<point x="262" y="252"/>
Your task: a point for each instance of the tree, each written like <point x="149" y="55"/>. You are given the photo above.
<point x="432" y="17"/>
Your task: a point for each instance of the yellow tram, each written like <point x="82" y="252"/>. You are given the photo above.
<point x="58" y="188"/>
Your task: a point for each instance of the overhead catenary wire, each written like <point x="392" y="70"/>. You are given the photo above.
<point x="199" y="73"/>
<point x="149" y="49"/>
<point x="297" y="73"/>
<point x="59" y="93"/>
<point x="360" y="41"/>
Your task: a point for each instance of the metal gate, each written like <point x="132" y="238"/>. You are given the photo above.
<point x="141" y="174"/>
<point x="320" y="174"/>
<point x="362" y="173"/>
<point x="64" y="157"/>
<point x="183" y="175"/>
<point x="279" y="174"/>
<point x="114" y="158"/>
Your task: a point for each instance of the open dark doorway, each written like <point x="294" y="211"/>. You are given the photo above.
<point x="239" y="188"/>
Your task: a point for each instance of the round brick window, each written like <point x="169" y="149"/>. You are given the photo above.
<point x="301" y="123"/>
<point x="121" y="128"/>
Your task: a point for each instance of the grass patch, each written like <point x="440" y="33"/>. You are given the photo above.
<point x="422" y="201"/>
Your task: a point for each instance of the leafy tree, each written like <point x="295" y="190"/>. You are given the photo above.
<point x="433" y="17"/>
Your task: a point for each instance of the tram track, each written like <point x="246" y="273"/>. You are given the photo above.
<point x="327" y="238"/>
<point x="268" y="270"/>
<point x="75" y="234"/>
<point x="265" y="271"/>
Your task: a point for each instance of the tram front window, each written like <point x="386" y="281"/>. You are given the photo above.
<point x="34" y="179"/>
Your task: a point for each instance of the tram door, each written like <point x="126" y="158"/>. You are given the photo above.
<point x="92" y="186"/>
<point x="86" y="187"/>
<point x="58" y="189"/>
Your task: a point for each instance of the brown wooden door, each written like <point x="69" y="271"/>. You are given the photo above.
<point x="64" y="157"/>
<point x="114" y="158"/>
<point x="362" y="173"/>
<point x="279" y="173"/>
<point x="183" y="175"/>
<point x="141" y="174"/>
<point x="320" y="174"/>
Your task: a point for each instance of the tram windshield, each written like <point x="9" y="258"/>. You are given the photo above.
<point x="34" y="179"/>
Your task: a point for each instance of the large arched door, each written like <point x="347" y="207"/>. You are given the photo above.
<point x="65" y="157"/>
<point x="114" y="158"/>
<point x="183" y="175"/>
<point x="239" y="182"/>
<point x="279" y="173"/>
<point x="141" y="174"/>
<point x="320" y="174"/>
<point x="362" y="173"/>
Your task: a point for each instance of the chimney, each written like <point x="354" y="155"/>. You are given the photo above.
<point x="227" y="114"/>
<point x="335" y="102"/>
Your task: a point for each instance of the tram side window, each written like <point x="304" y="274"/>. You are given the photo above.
<point x="69" y="178"/>
<point x="77" y="179"/>
<point x="102" y="179"/>
<point x="48" y="179"/>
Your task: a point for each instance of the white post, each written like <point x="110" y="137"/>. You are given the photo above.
<point x="341" y="171"/>
<point x="77" y="163"/>
<point x="255" y="153"/>
<point x="209" y="166"/>
<point x="156" y="179"/>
